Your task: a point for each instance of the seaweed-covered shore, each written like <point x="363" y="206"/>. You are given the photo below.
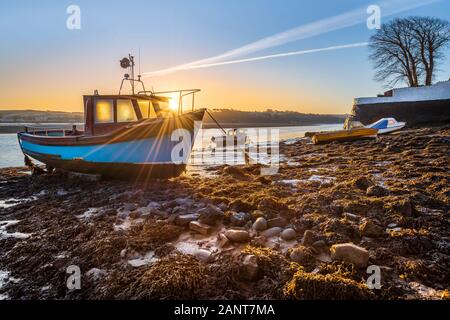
<point x="308" y="232"/>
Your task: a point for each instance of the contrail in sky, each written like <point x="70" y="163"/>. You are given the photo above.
<point x="279" y="55"/>
<point x="347" y="19"/>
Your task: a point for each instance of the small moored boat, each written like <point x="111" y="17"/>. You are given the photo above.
<point x="233" y="138"/>
<point x="386" y="125"/>
<point x="143" y="135"/>
<point x="343" y="135"/>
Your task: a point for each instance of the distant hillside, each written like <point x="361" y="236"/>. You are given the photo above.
<point x="226" y="117"/>
<point x="14" y="116"/>
<point x="233" y="118"/>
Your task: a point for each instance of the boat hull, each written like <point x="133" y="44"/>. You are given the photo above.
<point x="146" y="150"/>
<point x="115" y="170"/>
<point x="344" y="135"/>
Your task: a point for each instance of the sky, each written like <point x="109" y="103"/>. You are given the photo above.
<point x="44" y="65"/>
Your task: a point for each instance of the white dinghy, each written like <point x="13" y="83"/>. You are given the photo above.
<point x="386" y="125"/>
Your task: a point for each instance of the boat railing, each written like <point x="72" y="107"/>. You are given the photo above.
<point x="181" y="94"/>
<point x="48" y="131"/>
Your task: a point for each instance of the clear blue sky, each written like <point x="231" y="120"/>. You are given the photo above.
<point x="44" y="65"/>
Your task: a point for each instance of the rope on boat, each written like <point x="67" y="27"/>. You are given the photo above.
<point x="214" y="119"/>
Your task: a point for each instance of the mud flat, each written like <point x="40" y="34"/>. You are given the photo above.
<point x="308" y="232"/>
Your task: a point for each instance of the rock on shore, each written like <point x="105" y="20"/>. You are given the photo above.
<point x="350" y="253"/>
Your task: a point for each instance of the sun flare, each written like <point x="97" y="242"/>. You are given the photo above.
<point x="173" y="104"/>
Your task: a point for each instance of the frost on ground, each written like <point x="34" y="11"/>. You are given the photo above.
<point x="4" y="225"/>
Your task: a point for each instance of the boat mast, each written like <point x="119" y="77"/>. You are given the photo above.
<point x="128" y="63"/>
<point x="132" y="72"/>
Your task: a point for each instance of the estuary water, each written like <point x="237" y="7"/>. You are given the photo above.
<point x="11" y="155"/>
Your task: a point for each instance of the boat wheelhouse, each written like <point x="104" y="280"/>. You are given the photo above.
<point x="140" y="135"/>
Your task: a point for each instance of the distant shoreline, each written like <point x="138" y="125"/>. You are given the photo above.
<point x="9" y="128"/>
<point x="12" y="121"/>
<point x="18" y="127"/>
<point x="263" y="125"/>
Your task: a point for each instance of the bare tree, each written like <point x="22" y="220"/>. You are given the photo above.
<point x="394" y="54"/>
<point x="432" y="36"/>
<point x="409" y="49"/>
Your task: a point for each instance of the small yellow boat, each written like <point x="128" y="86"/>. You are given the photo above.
<point x="342" y="135"/>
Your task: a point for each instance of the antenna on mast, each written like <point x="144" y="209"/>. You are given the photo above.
<point x="132" y="73"/>
<point x="139" y="54"/>
<point x="128" y="63"/>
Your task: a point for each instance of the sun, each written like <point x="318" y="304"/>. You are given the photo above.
<point x="173" y="104"/>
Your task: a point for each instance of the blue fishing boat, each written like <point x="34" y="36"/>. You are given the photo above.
<point x="145" y="134"/>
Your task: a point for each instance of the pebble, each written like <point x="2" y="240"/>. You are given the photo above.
<point x="153" y="205"/>
<point x="351" y="253"/>
<point x="203" y="255"/>
<point x="376" y="191"/>
<point x="288" y="234"/>
<point x="129" y="206"/>
<point x="159" y="213"/>
<point x="369" y="229"/>
<point x="129" y="254"/>
<point x="210" y="215"/>
<point x="178" y="209"/>
<point x="277" y="222"/>
<point x="272" y="232"/>
<point x="308" y="238"/>
<point x="249" y="268"/>
<point x="237" y="235"/>
<point x="222" y="206"/>
<point x="392" y="225"/>
<point x="144" y="211"/>
<point x="350" y="216"/>
<point x="260" y="224"/>
<point x="320" y="246"/>
<point x="301" y="254"/>
<point x="394" y="230"/>
<point x="405" y="207"/>
<point x="222" y="240"/>
<point x="199" y="227"/>
<point x="260" y="240"/>
<point x="184" y="202"/>
<point x="134" y="215"/>
<point x="96" y="273"/>
<point x="363" y="183"/>
<point x="257" y="214"/>
<point x="185" y="219"/>
<point x="238" y="219"/>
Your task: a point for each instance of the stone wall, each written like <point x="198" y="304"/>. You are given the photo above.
<point x="412" y="113"/>
<point x="439" y="91"/>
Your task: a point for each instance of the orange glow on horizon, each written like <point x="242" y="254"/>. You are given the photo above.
<point x="219" y="91"/>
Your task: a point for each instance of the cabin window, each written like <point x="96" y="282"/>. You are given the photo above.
<point x="162" y="109"/>
<point x="146" y="108"/>
<point x="104" y="111"/>
<point x="125" y="111"/>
